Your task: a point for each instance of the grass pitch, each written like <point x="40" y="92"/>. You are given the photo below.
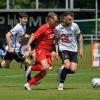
<point x="77" y="86"/>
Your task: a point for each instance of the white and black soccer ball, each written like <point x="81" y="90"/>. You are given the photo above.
<point x="95" y="82"/>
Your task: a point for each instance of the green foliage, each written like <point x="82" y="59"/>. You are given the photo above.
<point x="16" y="4"/>
<point x="32" y="4"/>
<point x="2" y="4"/>
<point x="85" y="3"/>
<point x="52" y="4"/>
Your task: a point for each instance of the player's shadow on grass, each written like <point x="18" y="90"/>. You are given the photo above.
<point x="64" y="88"/>
<point x="39" y="89"/>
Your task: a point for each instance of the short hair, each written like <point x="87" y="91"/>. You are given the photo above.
<point x="51" y="15"/>
<point x="22" y="14"/>
<point x="68" y="13"/>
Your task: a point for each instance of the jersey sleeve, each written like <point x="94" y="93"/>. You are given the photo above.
<point x="77" y="29"/>
<point x="40" y="31"/>
<point x="15" y="30"/>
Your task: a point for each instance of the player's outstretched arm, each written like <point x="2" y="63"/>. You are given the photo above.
<point x="30" y="41"/>
<point x="81" y="45"/>
<point x="57" y="51"/>
<point x="8" y="35"/>
<point x="8" y="38"/>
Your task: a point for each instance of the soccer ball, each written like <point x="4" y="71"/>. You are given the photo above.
<point x="95" y="82"/>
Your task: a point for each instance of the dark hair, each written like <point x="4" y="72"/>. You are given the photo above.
<point x="22" y="14"/>
<point x="68" y="13"/>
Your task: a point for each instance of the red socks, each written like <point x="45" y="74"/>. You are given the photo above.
<point x="37" y="77"/>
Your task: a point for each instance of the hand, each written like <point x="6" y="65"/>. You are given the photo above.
<point x="27" y="47"/>
<point x="27" y="36"/>
<point x="81" y="53"/>
<point x="57" y="56"/>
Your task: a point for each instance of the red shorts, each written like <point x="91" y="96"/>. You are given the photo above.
<point x="42" y="54"/>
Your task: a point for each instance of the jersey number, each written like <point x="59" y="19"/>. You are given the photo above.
<point x="65" y="38"/>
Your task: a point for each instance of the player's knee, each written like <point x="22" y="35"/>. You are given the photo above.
<point x="46" y="67"/>
<point x="67" y="65"/>
<point x="3" y="64"/>
<point x="73" y="69"/>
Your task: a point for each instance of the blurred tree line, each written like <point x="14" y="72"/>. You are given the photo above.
<point x="17" y="4"/>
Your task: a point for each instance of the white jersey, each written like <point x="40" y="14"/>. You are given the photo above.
<point x="17" y="32"/>
<point x="67" y="36"/>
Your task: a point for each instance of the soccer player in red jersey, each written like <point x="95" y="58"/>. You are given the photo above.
<point x="44" y="38"/>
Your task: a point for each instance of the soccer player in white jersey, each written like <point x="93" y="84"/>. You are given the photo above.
<point x="66" y="35"/>
<point x="13" y="39"/>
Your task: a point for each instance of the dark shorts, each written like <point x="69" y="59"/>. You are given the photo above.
<point x="19" y="57"/>
<point x="70" y="55"/>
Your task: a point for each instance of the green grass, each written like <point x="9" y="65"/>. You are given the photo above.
<point x="77" y="86"/>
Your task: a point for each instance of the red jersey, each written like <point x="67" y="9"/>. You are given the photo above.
<point x="44" y="37"/>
